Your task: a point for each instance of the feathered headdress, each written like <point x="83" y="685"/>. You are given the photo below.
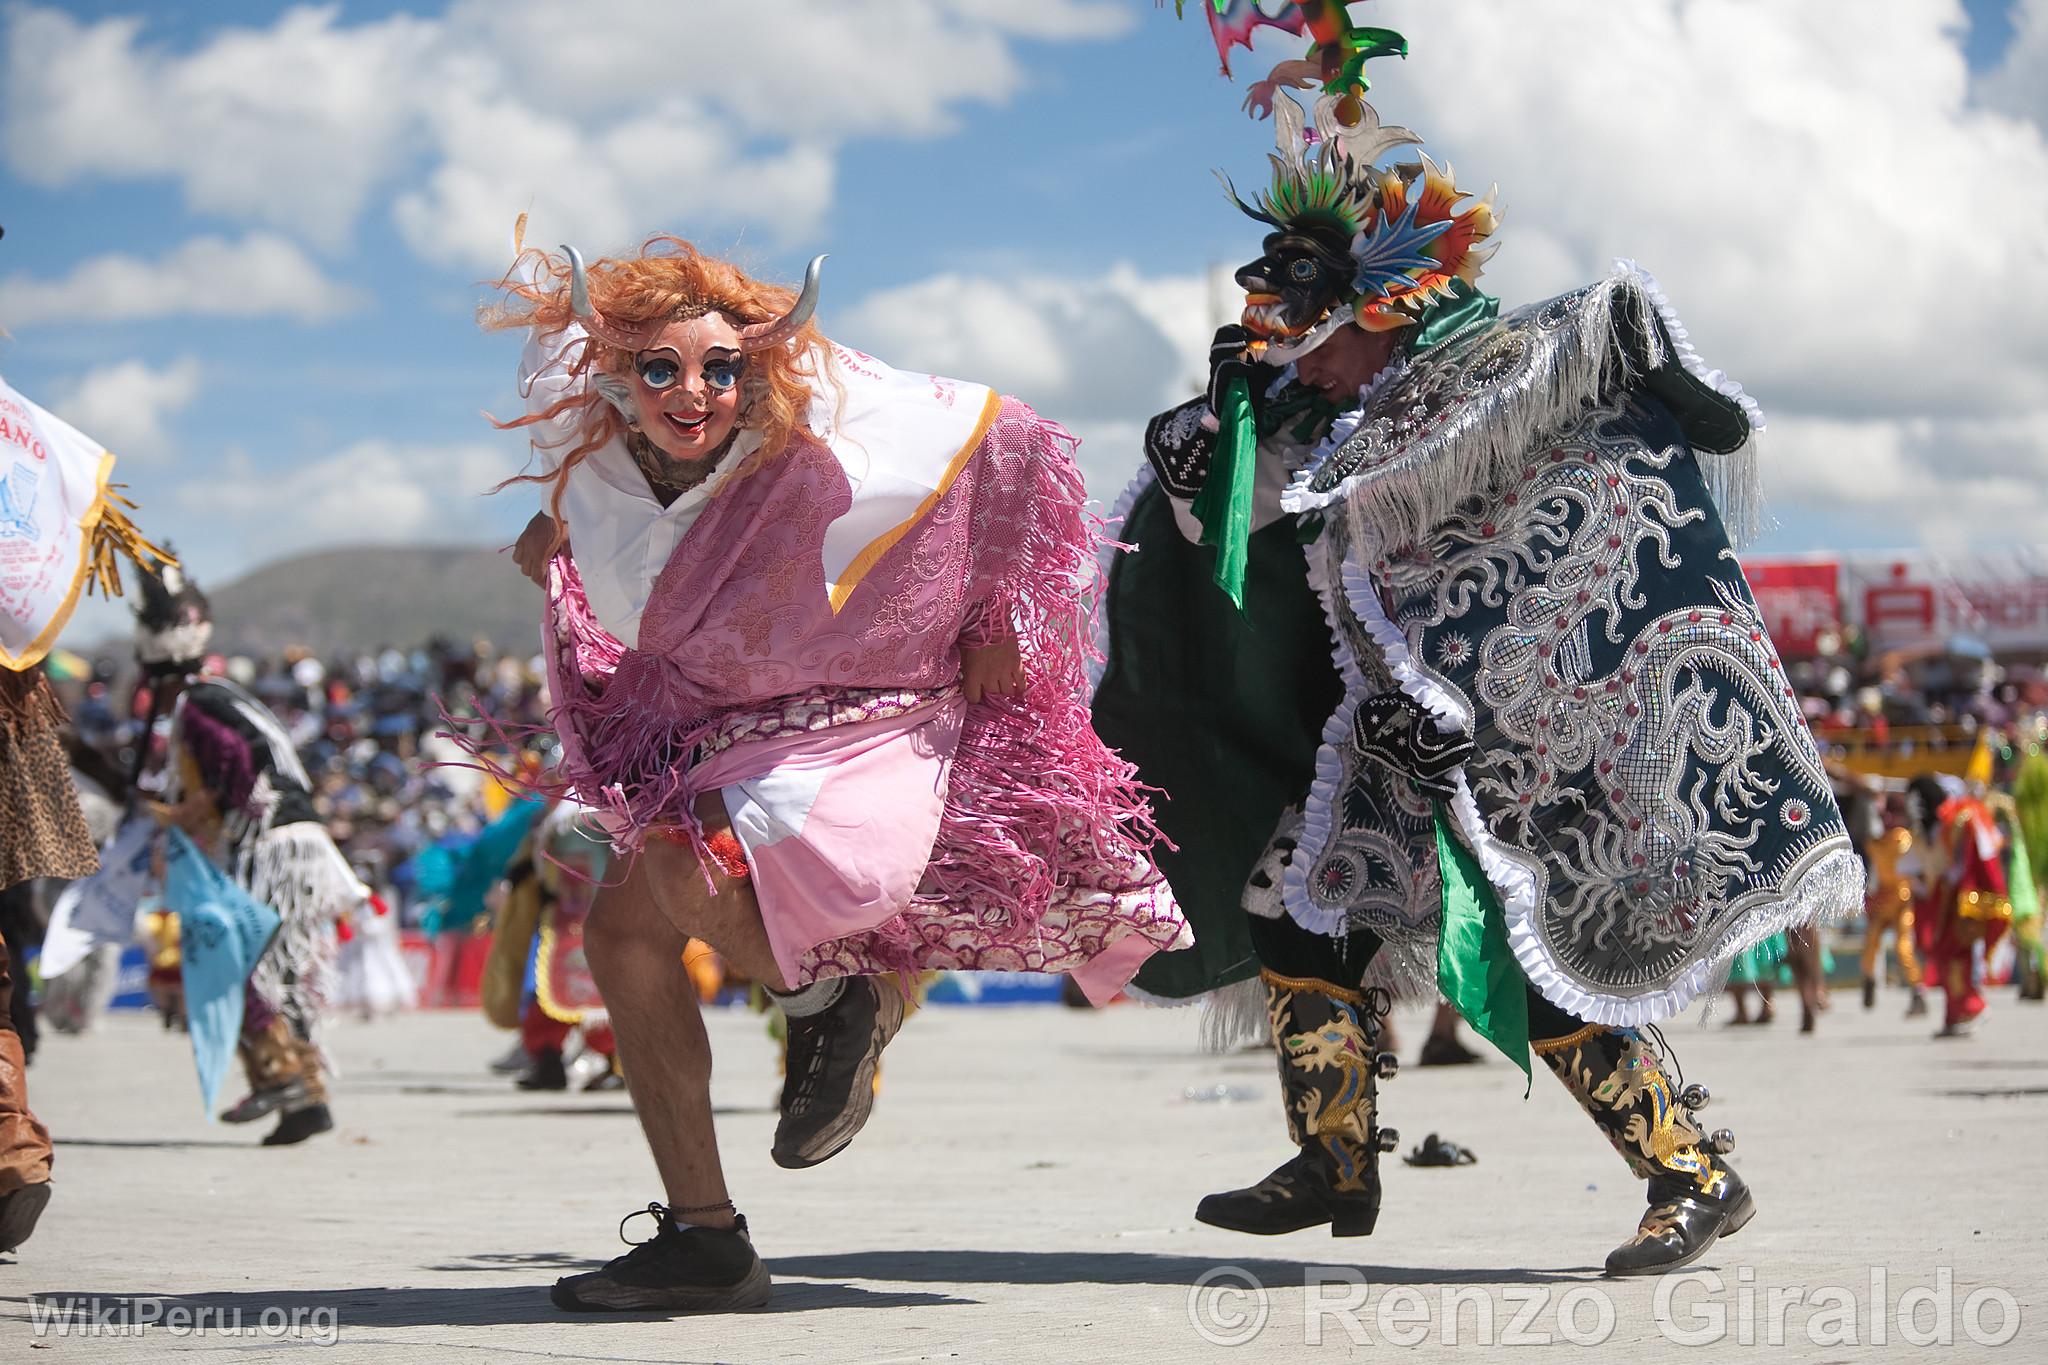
<point x="173" y="622"/>
<point x="1413" y="231"/>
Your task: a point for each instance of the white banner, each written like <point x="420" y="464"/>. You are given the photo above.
<point x="101" y="908"/>
<point x="53" y="482"/>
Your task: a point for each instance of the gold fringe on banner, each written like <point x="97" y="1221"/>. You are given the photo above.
<point x="114" y="535"/>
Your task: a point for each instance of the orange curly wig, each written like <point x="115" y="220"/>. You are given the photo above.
<point x="669" y="280"/>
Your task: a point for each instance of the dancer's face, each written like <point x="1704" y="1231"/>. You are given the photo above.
<point x="1350" y="359"/>
<point x="687" y="386"/>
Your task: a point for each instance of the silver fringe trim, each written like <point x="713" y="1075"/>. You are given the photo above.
<point x="1484" y="443"/>
<point x="1235" y="1016"/>
<point x="297" y="871"/>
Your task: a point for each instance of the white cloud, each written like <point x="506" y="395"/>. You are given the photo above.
<point x="289" y="126"/>
<point x="374" y="491"/>
<point x="1949" y="483"/>
<point x="262" y="275"/>
<point x="124" y="406"/>
<point x="600" y="117"/>
<point x="1839" y="223"/>
<point x="2019" y="84"/>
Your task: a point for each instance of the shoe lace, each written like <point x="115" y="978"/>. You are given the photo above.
<point x="663" y="1222"/>
<point x="664" y="1217"/>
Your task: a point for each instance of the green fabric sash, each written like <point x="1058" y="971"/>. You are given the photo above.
<point x="1224" y="506"/>
<point x="1475" y="968"/>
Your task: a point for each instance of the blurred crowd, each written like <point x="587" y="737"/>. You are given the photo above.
<point x="367" y="727"/>
<point x="1848" y="690"/>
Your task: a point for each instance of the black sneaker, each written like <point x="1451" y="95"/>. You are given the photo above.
<point x="828" y="1089"/>
<point x="258" y="1103"/>
<point x="299" y="1125"/>
<point x="681" y="1269"/>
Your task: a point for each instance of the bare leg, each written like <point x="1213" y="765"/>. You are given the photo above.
<point x="1805" y="962"/>
<point x="636" y="960"/>
<point x="729" y="921"/>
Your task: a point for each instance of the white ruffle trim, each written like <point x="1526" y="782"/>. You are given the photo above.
<point x="1319" y="813"/>
<point x="1831" y="889"/>
<point x="1105" y="558"/>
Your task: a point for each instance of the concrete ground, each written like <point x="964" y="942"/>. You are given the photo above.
<point x="1025" y="1192"/>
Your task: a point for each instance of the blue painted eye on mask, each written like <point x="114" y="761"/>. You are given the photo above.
<point x="660" y="371"/>
<point x="723" y="374"/>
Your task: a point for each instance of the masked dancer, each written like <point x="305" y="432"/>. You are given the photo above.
<point x="815" y="633"/>
<point x="1434" y="644"/>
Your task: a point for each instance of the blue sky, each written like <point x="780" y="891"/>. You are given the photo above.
<point x="1046" y="186"/>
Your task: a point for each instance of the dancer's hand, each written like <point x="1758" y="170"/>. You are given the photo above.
<point x="536" y="546"/>
<point x="994" y="670"/>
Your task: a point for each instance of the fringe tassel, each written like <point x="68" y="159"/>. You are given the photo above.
<point x="1035" y="799"/>
<point x="1484" y="442"/>
<point x="114" y="535"/>
<point x="1235" y="1016"/>
<point x="297" y="871"/>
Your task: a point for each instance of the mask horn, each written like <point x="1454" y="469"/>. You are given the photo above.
<point x="759" y="336"/>
<point x="588" y="317"/>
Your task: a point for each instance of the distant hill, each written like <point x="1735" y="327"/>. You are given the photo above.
<point x="334" y="601"/>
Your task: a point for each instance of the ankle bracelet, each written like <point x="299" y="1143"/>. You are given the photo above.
<point x="702" y="1208"/>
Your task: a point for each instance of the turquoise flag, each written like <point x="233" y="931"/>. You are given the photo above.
<point x="222" y="932"/>
<point x="1475" y="968"/>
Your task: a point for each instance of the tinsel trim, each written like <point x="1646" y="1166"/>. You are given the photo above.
<point x="296" y="870"/>
<point x="1234" y="1016"/>
<point x="1308" y="985"/>
<point x="543" y="986"/>
<point x="1482" y="444"/>
<point x="1550" y="1046"/>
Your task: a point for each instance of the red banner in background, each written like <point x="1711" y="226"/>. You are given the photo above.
<point x="1800" y="599"/>
<point x="1910" y="600"/>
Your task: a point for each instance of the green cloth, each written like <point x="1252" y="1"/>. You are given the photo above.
<point x="1224" y="506"/>
<point x="2019" y="879"/>
<point x="1461" y="306"/>
<point x="1754" y="964"/>
<point x="1221" y="710"/>
<point x="1475" y="968"/>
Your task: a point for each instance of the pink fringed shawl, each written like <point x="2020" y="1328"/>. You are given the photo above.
<point x="1019" y="840"/>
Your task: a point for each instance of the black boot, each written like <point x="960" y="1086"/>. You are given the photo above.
<point x="1870" y="993"/>
<point x="1695" y="1196"/>
<point x="299" y="1125"/>
<point x="1330" y="1069"/>
<point x="1682" y="1224"/>
<point x="19" y="1212"/>
<point x="681" y="1269"/>
<point x="547" y="1072"/>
